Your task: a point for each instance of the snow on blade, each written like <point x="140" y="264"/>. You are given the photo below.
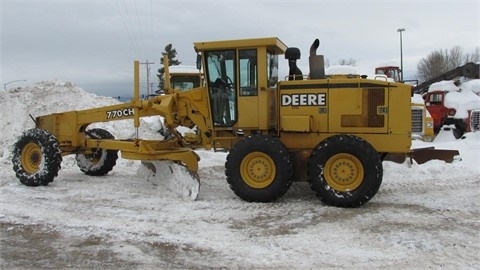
<point x="171" y="176"/>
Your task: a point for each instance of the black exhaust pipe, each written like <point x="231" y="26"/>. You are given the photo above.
<point x="316" y="62"/>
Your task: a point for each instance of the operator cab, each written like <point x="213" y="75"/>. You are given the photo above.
<point x="185" y="78"/>
<point x="391" y="72"/>
<point x="242" y="74"/>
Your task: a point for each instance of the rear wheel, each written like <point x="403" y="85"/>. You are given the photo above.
<point x="460" y="129"/>
<point x="36" y="157"/>
<point x="344" y="171"/>
<point x="259" y="168"/>
<point x="100" y="161"/>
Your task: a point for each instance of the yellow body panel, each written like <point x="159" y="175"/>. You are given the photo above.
<point x="374" y="110"/>
<point x="301" y="123"/>
<point x="247" y="117"/>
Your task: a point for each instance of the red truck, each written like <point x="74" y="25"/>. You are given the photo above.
<point x="452" y="106"/>
<point x="448" y="100"/>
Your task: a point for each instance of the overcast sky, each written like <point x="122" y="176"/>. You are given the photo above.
<point x="94" y="43"/>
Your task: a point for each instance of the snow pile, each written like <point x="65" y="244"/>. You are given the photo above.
<point x="417" y="99"/>
<point x="341" y="70"/>
<point x="184" y="69"/>
<point x="463" y="95"/>
<point x="449" y="86"/>
<point x="471" y="85"/>
<point x="351" y="70"/>
<point x="42" y="98"/>
<point x="47" y="97"/>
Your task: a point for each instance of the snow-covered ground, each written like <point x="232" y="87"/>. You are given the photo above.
<point x="424" y="216"/>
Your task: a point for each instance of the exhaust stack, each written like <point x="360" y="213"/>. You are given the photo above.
<point x="316" y="62"/>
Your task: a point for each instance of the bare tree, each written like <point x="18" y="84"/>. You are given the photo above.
<point x="473" y="57"/>
<point x="343" y="62"/>
<point x="454" y="58"/>
<point x="431" y="66"/>
<point x="347" y="62"/>
<point x="441" y="61"/>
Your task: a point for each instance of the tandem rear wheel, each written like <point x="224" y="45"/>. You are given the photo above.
<point x="259" y="168"/>
<point x="342" y="170"/>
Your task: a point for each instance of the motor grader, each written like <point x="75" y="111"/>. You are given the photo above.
<point x="332" y="131"/>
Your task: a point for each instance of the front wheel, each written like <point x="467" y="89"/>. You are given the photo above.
<point x="344" y="171"/>
<point x="100" y="161"/>
<point x="259" y="168"/>
<point x="36" y="157"/>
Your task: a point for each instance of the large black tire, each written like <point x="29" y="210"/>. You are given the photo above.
<point x="36" y="157"/>
<point x="259" y="168"/>
<point x="344" y="171"/>
<point x="101" y="161"/>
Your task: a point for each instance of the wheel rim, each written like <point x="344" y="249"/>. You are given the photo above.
<point x="31" y="157"/>
<point x="95" y="156"/>
<point x="344" y="172"/>
<point x="257" y="170"/>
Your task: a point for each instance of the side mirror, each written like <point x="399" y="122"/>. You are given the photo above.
<point x="199" y="61"/>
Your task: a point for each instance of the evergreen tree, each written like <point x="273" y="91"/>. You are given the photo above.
<point x="171" y="53"/>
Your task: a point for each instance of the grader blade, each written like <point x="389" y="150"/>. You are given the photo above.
<point x="422" y="155"/>
<point x="172" y="177"/>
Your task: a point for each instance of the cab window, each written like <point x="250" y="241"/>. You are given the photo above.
<point x="185" y="82"/>
<point x="248" y="72"/>
<point x="220" y="75"/>
<point x="272" y="68"/>
<point x="436" y="98"/>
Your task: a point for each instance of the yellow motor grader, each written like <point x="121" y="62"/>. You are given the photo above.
<point x="330" y="131"/>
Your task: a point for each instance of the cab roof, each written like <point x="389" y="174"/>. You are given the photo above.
<point x="270" y="42"/>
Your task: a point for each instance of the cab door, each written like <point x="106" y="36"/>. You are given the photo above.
<point x="222" y="84"/>
<point x="248" y="116"/>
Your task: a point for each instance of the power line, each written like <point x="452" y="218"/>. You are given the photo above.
<point x="151" y="29"/>
<point x="127" y="25"/>
<point x="130" y="24"/>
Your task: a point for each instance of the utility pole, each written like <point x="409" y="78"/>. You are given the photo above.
<point x="147" y="64"/>
<point x="151" y="87"/>
<point x="401" y="30"/>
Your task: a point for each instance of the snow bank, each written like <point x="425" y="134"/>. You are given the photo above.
<point x="20" y="105"/>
